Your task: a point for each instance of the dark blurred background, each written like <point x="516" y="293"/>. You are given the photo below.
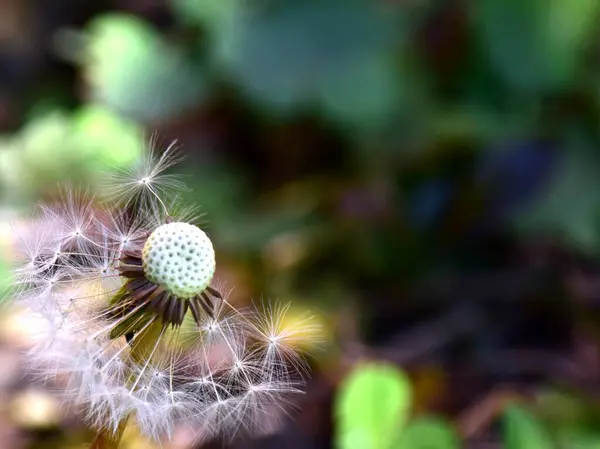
<point x="420" y="175"/>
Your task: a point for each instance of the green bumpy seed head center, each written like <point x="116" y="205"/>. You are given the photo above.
<point x="180" y="257"/>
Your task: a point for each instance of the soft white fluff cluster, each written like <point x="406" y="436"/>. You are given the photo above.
<point x="219" y="370"/>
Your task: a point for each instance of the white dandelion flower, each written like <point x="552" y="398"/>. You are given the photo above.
<point x="131" y="325"/>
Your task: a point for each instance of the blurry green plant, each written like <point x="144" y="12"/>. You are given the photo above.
<point x="132" y="69"/>
<point x="569" y="207"/>
<point x="57" y="145"/>
<point x="337" y="55"/>
<point x="372" y="412"/>
<point x="536" y="45"/>
<point x="428" y="433"/>
<point x="572" y="418"/>
<point x="371" y="407"/>
<point x="522" y="430"/>
<point x="215" y="16"/>
<point x="574" y="439"/>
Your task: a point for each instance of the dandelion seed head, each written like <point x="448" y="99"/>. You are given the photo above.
<point x="129" y="325"/>
<point x="180" y="257"/>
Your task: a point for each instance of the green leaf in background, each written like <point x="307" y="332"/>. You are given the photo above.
<point x="562" y="409"/>
<point x="56" y="147"/>
<point x="573" y="418"/>
<point x="336" y="54"/>
<point x="131" y="69"/>
<point x="36" y="156"/>
<point x="522" y="430"/>
<point x="43" y="142"/>
<point x="569" y="25"/>
<point x="570" y="205"/>
<point x="535" y="45"/>
<point x="216" y="16"/>
<point x="107" y="138"/>
<point x="371" y="407"/>
<point x="578" y="439"/>
<point x="362" y="95"/>
<point x="428" y="433"/>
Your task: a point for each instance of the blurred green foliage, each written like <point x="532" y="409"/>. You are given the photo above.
<point x="570" y="205"/>
<point x="524" y="431"/>
<point x="134" y="71"/>
<point x="371" y="407"/>
<point x="428" y="433"/>
<point x="538" y="45"/>
<point x="337" y="55"/>
<point x="66" y="147"/>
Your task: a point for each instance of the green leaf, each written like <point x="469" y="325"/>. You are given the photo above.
<point x="428" y="433"/>
<point x="214" y="15"/>
<point x="44" y="141"/>
<point x="523" y="431"/>
<point x="537" y="44"/>
<point x="107" y="138"/>
<point x="134" y="71"/>
<point x="570" y="205"/>
<point x="338" y="55"/>
<point x="371" y="407"/>
<point x="364" y="95"/>
<point x="55" y="145"/>
<point x="578" y="439"/>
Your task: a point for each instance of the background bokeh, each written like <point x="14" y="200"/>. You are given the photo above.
<point x="422" y="176"/>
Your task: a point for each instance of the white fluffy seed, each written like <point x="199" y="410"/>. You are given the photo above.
<point x="181" y="258"/>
